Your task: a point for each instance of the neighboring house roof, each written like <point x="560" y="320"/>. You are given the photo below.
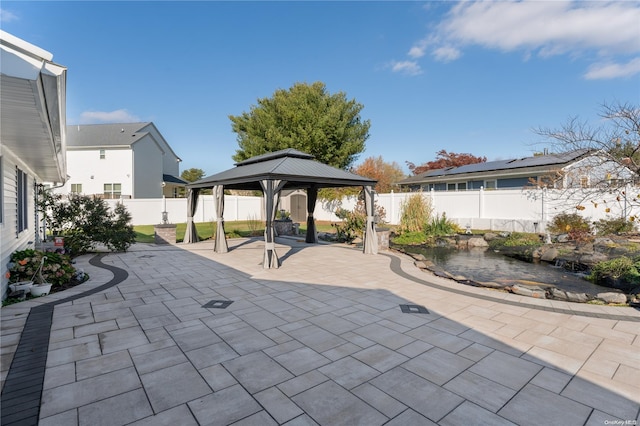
<point x="33" y="110"/>
<point x="104" y="135"/>
<point x="111" y="135"/>
<point x="540" y="162"/>
<point x="297" y="168"/>
<point x="173" y="179"/>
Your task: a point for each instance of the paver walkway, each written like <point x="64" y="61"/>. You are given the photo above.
<point x="179" y="335"/>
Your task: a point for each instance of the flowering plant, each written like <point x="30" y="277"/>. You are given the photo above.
<point x="56" y="269"/>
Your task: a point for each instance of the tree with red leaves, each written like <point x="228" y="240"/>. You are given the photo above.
<point x="446" y="159"/>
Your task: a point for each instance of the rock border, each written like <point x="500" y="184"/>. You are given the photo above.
<point x="535" y="291"/>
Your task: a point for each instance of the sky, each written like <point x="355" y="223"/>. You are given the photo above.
<point x="472" y="77"/>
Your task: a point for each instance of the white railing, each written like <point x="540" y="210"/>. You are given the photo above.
<point x="503" y="210"/>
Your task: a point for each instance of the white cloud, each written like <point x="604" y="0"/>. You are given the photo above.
<point x="406" y="67"/>
<point x="551" y="27"/>
<point x="609" y="70"/>
<point x="6" y="16"/>
<point x="446" y="53"/>
<point x="608" y="30"/>
<point x="117" y="116"/>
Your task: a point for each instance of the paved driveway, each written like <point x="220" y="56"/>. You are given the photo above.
<point x="179" y="335"/>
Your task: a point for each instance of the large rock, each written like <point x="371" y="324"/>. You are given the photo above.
<point x="549" y="254"/>
<point x="530" y="291"/>
<point x="558" y="294"/>
<point x="577" y="297"/>
<point x="611" y="297"/>
<point x="477" y="242"/>
<point x="490" y="236"/>
<point x="593" y="258"/>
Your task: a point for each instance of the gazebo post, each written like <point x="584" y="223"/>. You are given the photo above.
<point x="221" y="239"/>
<point x="312" y="197"/>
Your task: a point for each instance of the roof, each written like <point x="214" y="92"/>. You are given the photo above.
<point x="173" y="179"/>
<point x="33" y="110"/>
<point x="297" y="168"/>
<point x="539" y="161"/>
<point x="104" y="135"/>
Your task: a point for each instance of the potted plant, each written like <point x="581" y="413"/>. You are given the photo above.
<point x="41" y="288"/>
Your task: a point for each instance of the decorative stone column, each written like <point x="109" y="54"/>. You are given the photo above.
<point x="165" y="233"/>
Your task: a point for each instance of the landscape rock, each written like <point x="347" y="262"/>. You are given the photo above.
<point x="593" y="258"/>
<point x="549" y="254"/>
<point x="490" y="236"/>
<point x="530" y="291"/>
<point x="562" y="238"/>
<point x="558" y="294"/>
<point x="611" y="297"/>
<point x="577" y="297"/>
<point x="418" y="256"/>
<point x="477" y="242"/>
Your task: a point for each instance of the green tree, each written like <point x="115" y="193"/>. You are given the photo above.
<point x="387" y="174"/>
<point x="192" y="174"/>
<point x="307" y="118"/>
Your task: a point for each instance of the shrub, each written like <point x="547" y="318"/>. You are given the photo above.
<point x="57" y="268"/>
<point x="573" y="225"/>
<point x="416" y="237"/>
<point x="614" y="226"/>
<point x="415" y="214"/>
<point x="440" y="226"/>
<point x="516" y="239"/>
<point x="618" y="268"/>
<point x="354" y="222"/>
<point x="85" y="221"/>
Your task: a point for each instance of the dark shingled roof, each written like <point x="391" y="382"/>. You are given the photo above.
<point x="104" y="135"/>
<point x="549" y="160"/>
<point x="297" y="168"/>
<point x="173" y="179"/>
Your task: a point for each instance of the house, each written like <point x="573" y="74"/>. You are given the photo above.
<point x="32" y="139"/>
<point x="127" y="160"/>
<point x="581" y="168"/>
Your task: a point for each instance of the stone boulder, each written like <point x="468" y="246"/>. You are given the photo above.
<point x="490" y="236"/>
<point x="577" y="297"/>
<point x="530" y="291"/>
<point x="477" y="242"/>
<point x="612" y="297"/>
<point x="548" y="254"/>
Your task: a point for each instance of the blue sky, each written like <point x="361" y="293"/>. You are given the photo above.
<point x="472" y="77"/>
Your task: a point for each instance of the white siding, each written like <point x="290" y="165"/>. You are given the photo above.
<point x="9" y="240"/>
<point x="170" y="164"/>
<point x="86" y="167"/>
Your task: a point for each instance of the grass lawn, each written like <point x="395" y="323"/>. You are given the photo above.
<point x="235" y="229"/>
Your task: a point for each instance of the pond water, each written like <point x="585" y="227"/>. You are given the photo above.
<point x="487" y="265"/>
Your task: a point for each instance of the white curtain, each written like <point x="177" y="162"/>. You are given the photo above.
<point x="191" y="233"/>
<point x="370" y="245"/>
<point x="221" y="240"/>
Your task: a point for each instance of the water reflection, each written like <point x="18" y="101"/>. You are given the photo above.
<point x="487" y="265"/>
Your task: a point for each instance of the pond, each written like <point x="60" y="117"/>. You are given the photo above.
<point x="486" y="265"/>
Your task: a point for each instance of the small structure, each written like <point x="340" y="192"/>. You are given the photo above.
<point x="271" y="173"/>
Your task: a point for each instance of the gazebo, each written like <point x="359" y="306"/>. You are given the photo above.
<point x="272" y="173"/>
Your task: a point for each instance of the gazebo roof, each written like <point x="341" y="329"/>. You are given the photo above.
<point x="297" y="168"/>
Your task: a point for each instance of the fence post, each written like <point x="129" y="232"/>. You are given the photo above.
<point x="481" y="203"/>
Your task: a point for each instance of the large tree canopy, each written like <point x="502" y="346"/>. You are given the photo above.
<point x="387" y="174"/>
<point x="307" y="118"/>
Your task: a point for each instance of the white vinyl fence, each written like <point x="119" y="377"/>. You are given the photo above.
<point x="500" y="210"/>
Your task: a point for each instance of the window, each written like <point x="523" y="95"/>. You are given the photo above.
<point x="21" y="200"/>
<point x="451" y="187"/>
<point x="112" y="190"/>
<point x="102" y="154"/>
<point x="489" y="184"/>
<point x="462" y="186"/>
<point x="76" y="188"/>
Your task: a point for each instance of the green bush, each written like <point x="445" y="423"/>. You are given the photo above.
<point x="85" y="221"/>
<point x="354" y="222"/>
<point x="439" y="226"/>
<point x="407" y="238"/>
<point x="619" y="268"/>
<point x="615" y="226"/>
<point x="415" y="213"/>
<point x="56" y="269"/>
<point x="516" y="239"/>
<point x="573" y="225"/>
